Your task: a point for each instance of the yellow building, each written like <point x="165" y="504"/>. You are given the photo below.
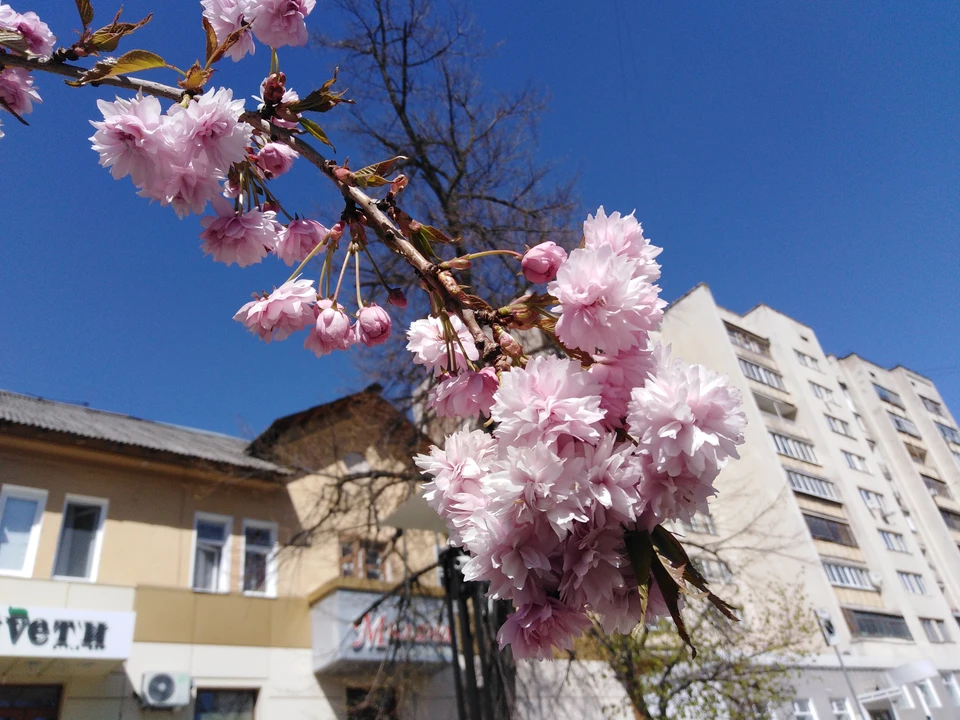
<point x="147" y="566"/>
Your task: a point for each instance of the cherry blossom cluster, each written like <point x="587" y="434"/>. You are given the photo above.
<point x="276" y="23"/>
<point x="618" y="436"/>
<point x="17" y="93"/>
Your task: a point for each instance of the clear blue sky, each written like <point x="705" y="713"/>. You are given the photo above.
<point x="804" y="155"/>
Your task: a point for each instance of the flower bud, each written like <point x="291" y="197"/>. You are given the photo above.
<point x="457" y="263"/>
<point x="344" y="175"/>
<point x="274" y="159"/>
<point x="332" y="330"/>
<point x="373" y="325"/>
<point x="540" y="263"/>
<point x="397" y="298"/>
<point x="274" y="87"/>
<point x="509" y="344"/>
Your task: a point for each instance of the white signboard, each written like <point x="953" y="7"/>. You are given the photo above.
<point x="65" y="633"/>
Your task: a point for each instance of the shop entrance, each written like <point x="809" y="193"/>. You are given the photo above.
<point x="30" y="702"/>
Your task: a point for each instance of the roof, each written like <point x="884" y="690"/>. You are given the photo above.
<point x="75" y="424"/>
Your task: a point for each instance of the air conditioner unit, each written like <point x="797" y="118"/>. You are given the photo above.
<point x="876" y="579"/>
<point x="165" y="690"/>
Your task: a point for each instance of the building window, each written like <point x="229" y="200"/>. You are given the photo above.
<point x="713" y="569"/>
<point x="841" y="427"/>
<point x="855" y="461"/>
<point x="808" y="361"/>
<point x="928" y="696"/>
<point x="362" y="558"/>
<point x="81" y="537"/>
<point x="211" y="554"/>
<point x="356" y="463"/>
<point x="894" y="541"/>
<point x="904" y="425"/>
<point x="873" y="624"/>
<point x="889" y="396"/>
<point x="803" y="709"/>
<point x="225" y="704"/>
<point x="762" y="374"/>
<point x="700" y="523"/>
<point x="874" y="500"/>
<point x="849" y="576"/>
<point x="748" y="341"/>
<point x="917" y="454"/>
<point x="841" y="709"/>
<point x="936" y="487"/>
<point x="812" y="485"/>
<point x="830" y="530"/>
<point x="260" y="558"/>
<point x="953" y="687"/>
<point x="21" y="511"/>
<point x="822" y="393"/>
<point x="932" y="406"/>
<point x="860" y="422"/>
<point x="952" y="519"/>
<point x="936" y="630"/>
<point x="30" y="701"/>
<point x="956" y="456"/>
<point x="949" y="434"/>
<point x="912" y="583"/>
<point x="791" y="447"/>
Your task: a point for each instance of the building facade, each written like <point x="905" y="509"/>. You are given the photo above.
<point x="847" y="490"/>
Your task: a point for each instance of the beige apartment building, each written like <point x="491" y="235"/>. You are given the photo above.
<point x="847" y="490"/>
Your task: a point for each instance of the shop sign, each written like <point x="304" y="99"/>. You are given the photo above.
<point x="413" y="631"/>
<point x="65" y="633"/>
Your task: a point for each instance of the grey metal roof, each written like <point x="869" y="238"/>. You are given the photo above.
<point x="99" y="425"/>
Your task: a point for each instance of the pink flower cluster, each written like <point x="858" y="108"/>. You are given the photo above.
<point x="579" y="452"/>
<point x="16" y="84"/>
<point x="276" y="23"/>
<point x="178" y="158"/>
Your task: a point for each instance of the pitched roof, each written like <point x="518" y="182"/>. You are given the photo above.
<point x="75" y="424"/>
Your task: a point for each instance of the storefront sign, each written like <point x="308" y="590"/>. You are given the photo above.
<point x="414" y="632"/>
<point x="65" y="633"/>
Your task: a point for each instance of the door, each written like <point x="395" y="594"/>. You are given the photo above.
<point x="30" y="702"/>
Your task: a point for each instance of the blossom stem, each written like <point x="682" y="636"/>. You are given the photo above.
<point x="308" y="258"/>
<point x="343" y="271"/>
<point x="356" y="258"/>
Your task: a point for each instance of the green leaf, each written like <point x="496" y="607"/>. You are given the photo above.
<point x="421" y="242"/>
<point x="438" y="235"/>
<point x="321" y="100"/>
<point x="211" y="35"/>
<point x="14" y="41"/>
<point x="85" y="8"/>
<point x="372" y="175"/>
<point x="640" y="552"/>
<point x="311" y="127"/>
<point x="133" y="61"/>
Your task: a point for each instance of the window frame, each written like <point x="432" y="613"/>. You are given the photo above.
<point x="912" y="582"/>
<point x="23" y="492"/>
<point x="750" y="342"/>
<point x="900" y="547"/>
<point x="836" y="577"/>
<point x="254" y="690"/>
<point x="952" y="684"/>
<point x="853" y="461"/>
<point x="932" y="406"/>
<point x="846" y="713"/>
<point x="840" y="427"/>
<point x="270" y="590"/>
<point x="223" y="577"/>
<point x="764" y="375"/>
<point x="789" y="441"/>
<point x="889" y="396"/>
<point x="949" y="433"/>
<point x="936" y="630"/>
<point x="934" y="699"/>
<point x="358" y="556"/>
<point x="808" y="361"/>
<point x="104" y="504"/>
<point x="851" y="616"/>
<point x="848" y="530"/>
<point x="873" y="500"/>
<point x="809" y="714"/>
<point x="821" y="392"/>
<point x="904" y="425"/>
<point x="809" y="485"/>
<point x="953" y="523"/>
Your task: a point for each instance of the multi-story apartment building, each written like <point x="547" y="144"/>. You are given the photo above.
<point x="847" y="490"/>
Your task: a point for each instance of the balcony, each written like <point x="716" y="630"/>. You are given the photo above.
<point x="785" y="426"/>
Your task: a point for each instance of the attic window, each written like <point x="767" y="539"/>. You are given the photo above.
<point x="356" y="463"/>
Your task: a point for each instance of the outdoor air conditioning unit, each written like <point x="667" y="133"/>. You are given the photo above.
<point x="165" y="690"/>
<point x="876" y="579"/>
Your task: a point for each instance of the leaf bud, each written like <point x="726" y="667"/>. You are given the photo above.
<point x="397" y="298"/>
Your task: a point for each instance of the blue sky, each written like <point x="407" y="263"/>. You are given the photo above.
<point x="804" y="155"/>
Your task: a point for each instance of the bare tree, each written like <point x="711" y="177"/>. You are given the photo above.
<point x="472" y="148"/>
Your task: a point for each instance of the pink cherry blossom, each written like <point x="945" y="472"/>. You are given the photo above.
<point x="275" y="159"/>
<point x="331" y="331"/>
<point x="281" y="22"/>
<point x="225" y="16"/>
<point x="625" y="236"/>
<point x="40" y="40"/>
<point x="287" y="309"/>
<point x="533" y="630"/>
<point x="428" y="340"/>
<point x="298" y="239"/>
<point x="467" y="395"/>
<point x="618" y="375"/>
<point x="16" y="90"/>
<point x="244" y="238"/>
<point x="373" y="325"/>
<point x="128" y="138"/>
<point x="457" y="471"/>
<point x="621" y="612"/>
<point x="186" y="187"/>
<point x="688" y="421"/>
<point x="209" y="126"/>
<point x="541" y="262"/>
<point x="603" y="306"/>
<point x="532" y="484"/>
<point x="609" y="488"/>
<point x="592" y="562"/>
<point x="548" y="399"/>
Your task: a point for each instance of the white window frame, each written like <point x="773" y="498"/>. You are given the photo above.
<point x="912" y="582"/>
<point x="223" y="579"/>
<point x="846" y="713"/>
<point x="933" y="696"/>
<point x="847" y="576"/>
<point x="873" y="500"/>
<point x="796" y="449"/>
<point x="856" y="462"/>
<point x="809" y="714"/>
<point x="896" y="543"/>
<point x="97" y="543"/>
<point x="807" y="360"/>
<point x="271" y="585"/>
<point x="821" y="393"/>
<point x="950" y="681"/>
<point x="26" y="493"/>
<point x="840" y="427"/>
<point x="762" y="374"/>
<point x="939" y="630"/>
<point x="812" y="485"/>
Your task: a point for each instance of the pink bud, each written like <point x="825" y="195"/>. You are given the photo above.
<point x="458" y="263"/>
<point x="510" y="345"/>
<point x="273" y="88"/>
<point x="373" y="325"/>
<point x="540" y="263"/>
<point x="397" y="298"/>
<point x="275" y="159"/>
<point x="344" y="175"/>
<point x="332" y="330"/>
